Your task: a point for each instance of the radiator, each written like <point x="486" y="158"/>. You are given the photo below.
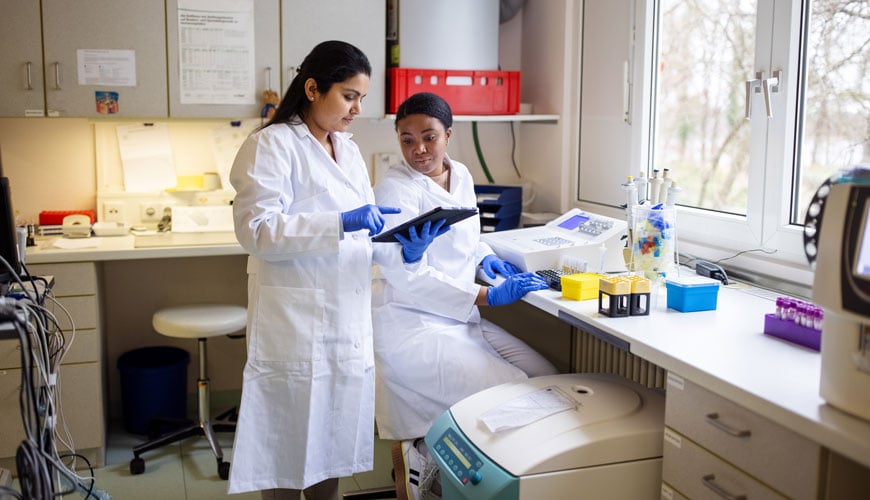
<point x="593" y="355"/>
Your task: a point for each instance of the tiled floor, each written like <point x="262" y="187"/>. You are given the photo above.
<point x="188" y="471"/>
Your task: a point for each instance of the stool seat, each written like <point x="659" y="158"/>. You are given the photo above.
<point x="199" y="321"/>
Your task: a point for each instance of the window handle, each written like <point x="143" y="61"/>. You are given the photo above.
<point x="770" y="86"/>
<point x="765" y="86"/>
<point x="752" y="84"/>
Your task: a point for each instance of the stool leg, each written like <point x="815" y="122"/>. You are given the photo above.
<point x="202" y="384"/>
<point x="204" y="412"/>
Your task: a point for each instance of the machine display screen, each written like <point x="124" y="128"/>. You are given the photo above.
<point x="862" y="256"/>
<point x="572" y="223"/>
<point x="456" y="452"/>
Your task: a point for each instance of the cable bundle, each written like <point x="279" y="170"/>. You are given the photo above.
<point x="42" y="471"/>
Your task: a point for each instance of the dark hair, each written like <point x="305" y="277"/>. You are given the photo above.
<point x="426" y="103"/>
<point x="328" y="62"/>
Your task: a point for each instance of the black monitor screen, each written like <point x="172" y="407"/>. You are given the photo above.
<point x="862" y="256"/>
<point x="8" y="237"/>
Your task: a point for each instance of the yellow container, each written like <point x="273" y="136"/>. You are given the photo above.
<point x="580" y="286"/>
<point x="617" y="285"/>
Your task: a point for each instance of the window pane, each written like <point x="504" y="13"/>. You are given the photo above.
<point x="836" y="108"/>
<point x="706" y="53"/>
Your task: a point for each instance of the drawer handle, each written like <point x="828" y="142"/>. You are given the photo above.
<point x="710" y="481"/>
<point x="713" y="419"/>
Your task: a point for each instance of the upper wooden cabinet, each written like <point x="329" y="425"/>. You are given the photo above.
<point x="112" y="49"/>
<point x="59" y="61"/>
<point x="212" y="58"/>
<point x="74" y="59"/>
<point x="304" y="24"/>
<point x="21" y="77"/>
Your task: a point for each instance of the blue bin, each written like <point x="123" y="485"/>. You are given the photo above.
<point x="153" y="385"/>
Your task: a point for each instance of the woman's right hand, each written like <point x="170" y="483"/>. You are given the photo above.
<point x="366" y="217"/>
<point x="513" y="288"/>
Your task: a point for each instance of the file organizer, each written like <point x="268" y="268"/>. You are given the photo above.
<point x="500" y="207"/>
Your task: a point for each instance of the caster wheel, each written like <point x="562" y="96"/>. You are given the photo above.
<point x="223" y="470"/>
<point x="137" y="466"/>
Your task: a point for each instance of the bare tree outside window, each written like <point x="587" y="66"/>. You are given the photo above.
<point x="705" y="55"/>
<point x="836" y="109"/>
<point x="706" y="51"/>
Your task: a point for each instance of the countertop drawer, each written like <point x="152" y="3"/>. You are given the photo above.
<point x="699" y="475"/>
<point x="74" y="278"/>
<point x="785" y="460"/>
<point x="83" y="311"/>
<point x="81" y="411"/>
<point x="85" y="348"/>
<point x="668" y="493"/>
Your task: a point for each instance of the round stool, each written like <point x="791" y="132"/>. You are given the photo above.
<point x="197" y="321"/>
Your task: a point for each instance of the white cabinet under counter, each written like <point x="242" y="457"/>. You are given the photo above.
<point x="81" y="412"/>
<point x="714" y="448"/>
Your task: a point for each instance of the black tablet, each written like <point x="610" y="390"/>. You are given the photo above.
<point x="452" y="215"/>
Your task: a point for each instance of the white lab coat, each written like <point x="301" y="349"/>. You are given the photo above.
<point x="429" y="348"/>
<point x="308" y="386"/>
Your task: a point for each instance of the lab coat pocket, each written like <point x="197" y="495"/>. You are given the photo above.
<point x="286" y="325"/>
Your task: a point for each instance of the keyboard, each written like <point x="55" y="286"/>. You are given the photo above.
<point x="553" y="277"/>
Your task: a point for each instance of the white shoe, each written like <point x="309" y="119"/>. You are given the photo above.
<point x="415" y="470"/>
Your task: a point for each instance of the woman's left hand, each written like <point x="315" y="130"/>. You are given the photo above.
<point x="415" y="246"/>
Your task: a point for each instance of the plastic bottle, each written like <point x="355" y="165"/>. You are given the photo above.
<point x="641" y="182"/>
<point x="666" y="184"/>
<point x="673" y="192"/>
<point x="655" y="183"/>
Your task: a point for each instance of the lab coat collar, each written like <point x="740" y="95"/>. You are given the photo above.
<point x="300" y="128"/>
<point x="424" y="180"/>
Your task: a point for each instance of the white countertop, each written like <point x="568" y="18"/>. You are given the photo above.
<point x="127" y="247"/>
<point x="726" y="352"/>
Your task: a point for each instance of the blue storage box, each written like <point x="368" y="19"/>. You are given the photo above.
<point x="500" y="207"/>
<point x="692" y="293"/>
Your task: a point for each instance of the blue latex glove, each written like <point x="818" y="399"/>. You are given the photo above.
<point x="514" y="288"/>
<point x="366" y="217"/>
<point x="492" y="264"/>
<point x="414" y="246"/>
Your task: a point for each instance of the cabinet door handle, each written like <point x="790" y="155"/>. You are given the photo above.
<point x="710" y="481"/>
<point x="28" y="82"/>
<point x="713" y="419"/>
<point x="57" y="81"/>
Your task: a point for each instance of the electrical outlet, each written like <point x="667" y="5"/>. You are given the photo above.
<point x="152" y="211"/>
<point x="382" y="162"/>
<point x="113" y="211"/>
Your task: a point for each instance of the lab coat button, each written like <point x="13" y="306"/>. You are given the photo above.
<point x="359" y="291"/>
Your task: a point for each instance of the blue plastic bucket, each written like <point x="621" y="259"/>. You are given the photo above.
<point x="153" y="385"/>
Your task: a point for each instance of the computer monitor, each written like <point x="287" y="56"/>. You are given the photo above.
<point x="8" y="234"/>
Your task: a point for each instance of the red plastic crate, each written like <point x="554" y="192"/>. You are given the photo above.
<point x="55" y="217"/>
<point x="468" y="92"/>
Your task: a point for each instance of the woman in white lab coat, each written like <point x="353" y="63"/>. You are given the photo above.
<point x="304" y="211"/>
<point x="432" y="349"/>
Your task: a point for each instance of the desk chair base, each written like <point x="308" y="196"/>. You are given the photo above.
<point x="205" y="426"/>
